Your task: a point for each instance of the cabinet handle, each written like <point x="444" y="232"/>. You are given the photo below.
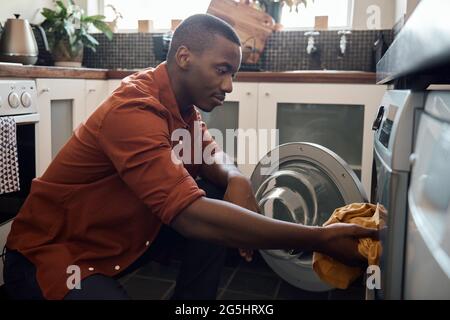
<point x="91" y="90"/>
<point x="267" y="94"/>
<point x="45" y="90"/>
<point x="248" y="93"/>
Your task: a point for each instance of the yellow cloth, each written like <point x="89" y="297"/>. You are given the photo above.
<point x="338" y="274"/>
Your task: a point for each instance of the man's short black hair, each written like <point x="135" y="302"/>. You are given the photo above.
<point x="197" y="33"/>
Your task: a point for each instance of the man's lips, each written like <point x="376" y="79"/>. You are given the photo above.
<point x="220" y="98"/>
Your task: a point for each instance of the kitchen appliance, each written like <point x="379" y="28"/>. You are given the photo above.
<point x="308" y="181"/>
<point x="304" y="184"/>
<point x="412" y="118"/>
<point x="18" y="99"/>
<point x="18" y="43"/>
<point x="427" y="257"/>
<point x="393" y="140"/>
<point x="45" y="57"/>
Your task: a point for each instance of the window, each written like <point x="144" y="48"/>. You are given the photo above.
<point x="339" y="14"/>
<point x="161" y="12"/>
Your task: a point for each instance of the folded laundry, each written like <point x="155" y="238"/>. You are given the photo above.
<point x="368" y="215"/>
<point x="9" y="164"/>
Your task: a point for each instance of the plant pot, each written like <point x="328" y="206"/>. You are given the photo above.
<point x="67" y="56"/>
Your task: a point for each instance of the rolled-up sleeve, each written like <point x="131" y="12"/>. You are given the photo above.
<point x="137" y="141"/>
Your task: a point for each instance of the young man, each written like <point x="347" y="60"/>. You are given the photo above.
<point x="99" y="209"/>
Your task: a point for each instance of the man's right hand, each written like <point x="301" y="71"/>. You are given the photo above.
<point x="340" y="241"/>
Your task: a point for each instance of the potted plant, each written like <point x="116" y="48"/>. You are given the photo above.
<point x="117" y="15"/>
<point x="67" y="32"/>
<point x="273" y="7"/>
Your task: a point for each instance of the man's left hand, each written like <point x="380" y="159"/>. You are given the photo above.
<point x="239" y="191"/>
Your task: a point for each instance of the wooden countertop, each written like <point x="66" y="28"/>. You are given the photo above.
<point x="304" y="76"/>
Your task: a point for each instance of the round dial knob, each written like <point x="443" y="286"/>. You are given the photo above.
<point x="13" y="100"/>
<point x="26" y="99"/>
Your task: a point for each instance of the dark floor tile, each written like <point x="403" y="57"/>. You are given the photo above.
<point x="169" y="293"/>
<point x="352" y="293"/>
<point x="256" y="265"/>
<point x="140" y="288"/>
<point x="289" y="292"/>
<point x="3" y="295"/>
<point x="254" y="283"/>
<point x="233" y="258"/>
<point x="160" y="271"/>
<point x="226" y="275"/>
<point x="236" y="295"/>
<point x="124" y="279"/>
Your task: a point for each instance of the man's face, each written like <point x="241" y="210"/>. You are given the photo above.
<point x="211" y="73"/>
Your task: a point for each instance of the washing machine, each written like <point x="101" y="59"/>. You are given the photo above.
<point x="427" y="247"/>
<point x="307" y="182"/>
<point x="302" y="183"/>
<point x="394" y="128"/>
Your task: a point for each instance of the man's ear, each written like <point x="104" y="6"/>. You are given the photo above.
<point x="183" y="57"/>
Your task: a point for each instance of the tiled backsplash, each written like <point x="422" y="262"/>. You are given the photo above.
<point x="284" y="51"/>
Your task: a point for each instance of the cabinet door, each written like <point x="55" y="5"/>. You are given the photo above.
<point x="238" y="112"/>
<point x="62" y="109"/>
<point x="337" y="116"/>
<point x="96" y="92"/>
<point x="113" y="84"/>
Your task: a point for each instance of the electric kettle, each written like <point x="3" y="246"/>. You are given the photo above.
<point x="18" y="43"/>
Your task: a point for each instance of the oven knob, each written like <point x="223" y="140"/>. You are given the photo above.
<point x="26" y="99"/>
<point x="13" y="100"/>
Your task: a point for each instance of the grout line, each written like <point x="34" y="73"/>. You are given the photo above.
<point x="166" y="295"/>
<point x="277" y="289"/>
<point x="225" y="287"/>
<point x="257" y="296"/>
<point x="153" y="278"/>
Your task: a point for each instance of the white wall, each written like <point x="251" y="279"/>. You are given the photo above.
<point x="28" y="9"/>
<point x="386" y="17"/>
<point x="404" y="8"/>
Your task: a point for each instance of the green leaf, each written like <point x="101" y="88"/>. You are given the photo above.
<point x="93" y="18"/>
<point x="103" y="27"/>
<point x="63" y="12"/>
<point x="91" y="39"/>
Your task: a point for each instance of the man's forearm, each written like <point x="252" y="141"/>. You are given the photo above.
<point x="231" y="225"/>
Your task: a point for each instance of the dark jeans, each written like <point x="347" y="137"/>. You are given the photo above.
<point x="199" y="275"/>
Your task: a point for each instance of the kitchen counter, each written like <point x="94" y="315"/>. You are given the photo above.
<point x="304" y="76"/>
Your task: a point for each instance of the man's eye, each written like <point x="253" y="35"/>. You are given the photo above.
<point x="221" y="71"/>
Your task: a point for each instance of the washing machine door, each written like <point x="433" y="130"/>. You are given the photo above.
<point x="304" y="185"/>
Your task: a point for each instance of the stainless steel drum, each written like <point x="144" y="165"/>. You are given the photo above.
<point x="304" y="186"/>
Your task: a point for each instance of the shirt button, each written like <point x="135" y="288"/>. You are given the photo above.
<point x="117" y="267"/>
<point x="147" y="243"/>
<point x="91" y="269"/>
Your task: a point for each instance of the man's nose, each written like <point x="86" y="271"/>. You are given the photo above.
<point x="227" y="84"/>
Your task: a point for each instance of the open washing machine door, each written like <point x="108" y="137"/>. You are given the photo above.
<point x="304" y="185"/>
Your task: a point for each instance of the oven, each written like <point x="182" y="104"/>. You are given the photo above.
<point x="18" y="100"/>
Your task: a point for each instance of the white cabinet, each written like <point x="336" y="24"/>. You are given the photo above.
<point x="4" y="231"/>
<point x="337" y="116"/>
<point x="113" y="84"/>
<point x="61" y="108"/>
<point x="96" y="92"/>
<point x="238" y="112"/>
